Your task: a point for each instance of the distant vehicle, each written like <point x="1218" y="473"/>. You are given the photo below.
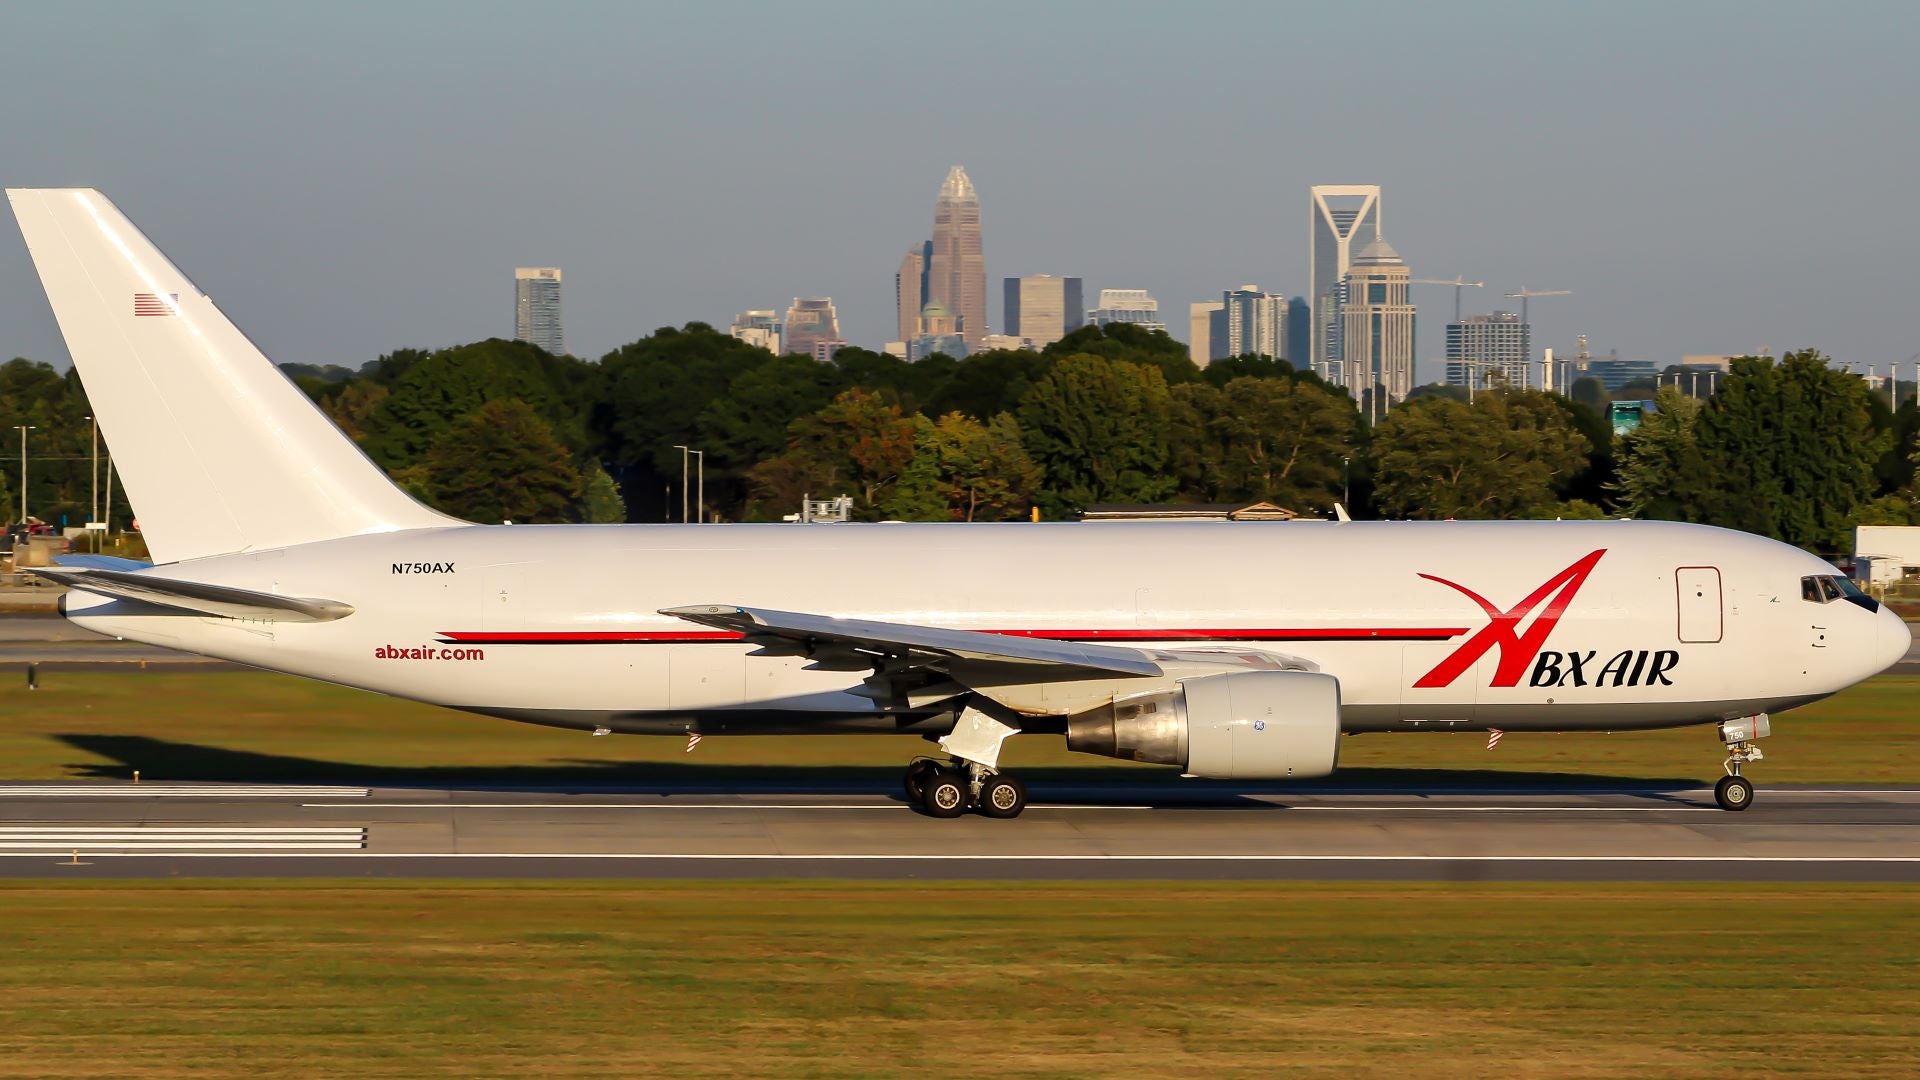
<point x="1233" y="652"/>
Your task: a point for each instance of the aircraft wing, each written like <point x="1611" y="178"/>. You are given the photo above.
<point x="198" y="597"/>
<point x="852" y="644"/>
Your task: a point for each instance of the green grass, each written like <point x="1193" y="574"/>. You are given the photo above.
<point x="249" y="726"/>
<point x="809" y="979"/>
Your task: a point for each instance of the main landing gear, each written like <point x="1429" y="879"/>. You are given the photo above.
<point x="971" y="779"/>
<point x="950" y="789"/>
<point x="1734" y="791"/>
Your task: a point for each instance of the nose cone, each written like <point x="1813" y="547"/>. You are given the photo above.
<point x="1895" y="639"/>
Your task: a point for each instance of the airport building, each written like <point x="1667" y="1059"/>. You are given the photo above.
<point x="1042" y="308"/>
<point x="536" y="307"/>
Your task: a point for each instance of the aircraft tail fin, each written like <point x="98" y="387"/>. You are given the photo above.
<point x="219" y="452"/>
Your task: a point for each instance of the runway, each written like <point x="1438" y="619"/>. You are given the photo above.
<point x="116" y="829"/>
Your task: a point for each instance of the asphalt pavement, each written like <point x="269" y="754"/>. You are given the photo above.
<point x="119" y="829"/>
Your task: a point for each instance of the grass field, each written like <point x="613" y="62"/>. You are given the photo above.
<point x="259" y="727"/>
<point x="805" y="979"/>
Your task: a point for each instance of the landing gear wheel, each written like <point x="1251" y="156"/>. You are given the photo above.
<point x="945" y="794"/>
<point x="1003" y="796"/>
<point x="1733" y="793"/>
<point x="917" y="775"/>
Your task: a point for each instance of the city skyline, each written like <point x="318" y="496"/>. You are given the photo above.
<point x="373" y="159"/>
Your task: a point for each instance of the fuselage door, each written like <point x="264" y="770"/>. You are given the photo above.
<point x="1698" y="589"/>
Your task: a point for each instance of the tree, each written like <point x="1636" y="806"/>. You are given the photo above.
<point x="501" y="462"/>
<point x="600" y="502"/>
<point x="1661" y="474"/>
<point x="1132" y="343"/>
<point x="1278" y="439"/>
<point x="748" y="423"/>
<point x="1791" y="448"/>
<point x="432" y="394"/>
<point x="989" y="383"/>
<point x="651" y="395"/>
<point x="1098" y="430"/>
<point x="963" y="470"/>
<point x="859" y="442"/>
<point x="1502" y="456"/>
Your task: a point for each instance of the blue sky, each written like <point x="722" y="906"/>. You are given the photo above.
<point x="347" y="179"/>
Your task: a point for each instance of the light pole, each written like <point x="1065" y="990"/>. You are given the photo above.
<point x="93" y="501"/>
<point x="23" y="429"/>
<point x="683" y="482"/>
<point x="700" y="487"/>
<point x="1346" y="493"/>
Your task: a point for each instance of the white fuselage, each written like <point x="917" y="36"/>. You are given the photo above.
<point x="1647" y="624"/>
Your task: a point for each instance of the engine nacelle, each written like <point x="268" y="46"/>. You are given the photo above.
<point x="1243" y="725"/>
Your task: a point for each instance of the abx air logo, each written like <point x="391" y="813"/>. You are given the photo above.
<point x="1518" y="647"/>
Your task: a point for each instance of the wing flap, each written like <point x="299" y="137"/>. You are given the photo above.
<point x="780" y="631"/>
<point x="200" y="598"/>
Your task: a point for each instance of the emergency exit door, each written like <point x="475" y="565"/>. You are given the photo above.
<point x="1698" y="589"/>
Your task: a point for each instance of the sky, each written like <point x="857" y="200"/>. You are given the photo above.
<point x="347" y="179"/>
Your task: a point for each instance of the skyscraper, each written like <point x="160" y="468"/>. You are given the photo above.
<point x="910" y="288"/>
<point x="1043" y="308"/>
<point x="956" y="269"/>
<point x="1135" y="306"/>
<point x="760" y="329"/>
<point x="1255" y="323"/>
<point x="810" y="321"/>
<point x="1488" y="350"/>
<point x="1206" y="327"/>
<point x="1299" y="332"/>
<point x="1377" y="330"/>
<point x="536" y="307"/>
<point x="1345" y="218"/>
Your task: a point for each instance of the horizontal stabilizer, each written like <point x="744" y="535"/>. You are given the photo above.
<point x="101" y="562"/>
<point x="198" y="597"/>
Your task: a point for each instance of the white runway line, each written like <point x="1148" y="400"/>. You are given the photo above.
<point x="178" y="791"/>
<point x="662" y="806"/>
<point x="656" y="856"/>
<point x="105" y="839"/>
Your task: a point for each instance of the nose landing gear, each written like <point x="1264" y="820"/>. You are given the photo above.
<point x="1734" y="791"/>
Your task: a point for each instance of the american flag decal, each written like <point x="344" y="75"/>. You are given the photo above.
<point x="146" y="303"/>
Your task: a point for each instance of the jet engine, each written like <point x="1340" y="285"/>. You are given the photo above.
<point x="1244" y="725"/>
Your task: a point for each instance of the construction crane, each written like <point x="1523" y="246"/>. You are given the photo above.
<point x="1458" y="283"/>
<point x="1525" y="294"/>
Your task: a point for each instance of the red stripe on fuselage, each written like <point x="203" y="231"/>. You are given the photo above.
<point x="687" y="637"/>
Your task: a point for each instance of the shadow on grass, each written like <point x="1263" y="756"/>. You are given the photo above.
<point x="164" y="760"/>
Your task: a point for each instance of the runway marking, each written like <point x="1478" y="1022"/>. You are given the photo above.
<point x="1516" y="809"/>
<point x="666" y="806"/>
<point x="1899" y="860"/>
<point x="179" y="791"/>
<point x="179" y="840"/>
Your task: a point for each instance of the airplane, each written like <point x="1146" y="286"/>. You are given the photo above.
<point x="1236" y="651"/>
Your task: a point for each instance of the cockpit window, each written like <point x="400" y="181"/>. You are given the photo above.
<point x="1826" y="588"/>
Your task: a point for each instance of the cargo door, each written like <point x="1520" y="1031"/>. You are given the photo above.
<point x="1698" y="590"/>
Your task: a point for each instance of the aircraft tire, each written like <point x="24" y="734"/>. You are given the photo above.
<point x="1003" y="796"/>
<point x="945" y="795"/>
<point x="1733" y="793"/>
<point x="917" y="775"/>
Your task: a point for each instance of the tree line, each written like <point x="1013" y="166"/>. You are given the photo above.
<point x="498" y="430"/>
